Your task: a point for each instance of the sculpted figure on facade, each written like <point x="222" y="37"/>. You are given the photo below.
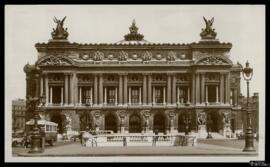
<point x="98" y="56"/>
<point x="171" y="56"/>
<point x="208" y="32"/>
<point x="201" y="118"/>
<point x="147" y="56"/>
<point x="123" y="56"/>
<point x="59" y="32"/>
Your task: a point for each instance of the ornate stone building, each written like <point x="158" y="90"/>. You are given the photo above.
<point x="136" y="86"/>
<point x="18" y="115"/>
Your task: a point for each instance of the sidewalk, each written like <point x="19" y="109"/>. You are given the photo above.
<point x="75" y="149"/>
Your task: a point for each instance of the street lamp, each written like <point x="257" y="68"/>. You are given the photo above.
<point x="36" y="138"/>
<point x="249" y="147"/>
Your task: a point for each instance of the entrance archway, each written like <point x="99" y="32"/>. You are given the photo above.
<point x="214" y="117"/>
<point x="86" y="120"/>
<point x="60" y="119"/>
<point x="135" y="124"/>
<point x="111" y="123"/>
<point x="159" y="123"/>
<point x="181" y="124"/>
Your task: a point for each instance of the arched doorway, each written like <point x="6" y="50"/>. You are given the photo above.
<point x="86" y="120"/>
<point x="111" y="123"/>
<point x="181" y="124"/>
<point x="60" y="119"/>
<point x="213" y="117"/>
<point x="135" y="124"/>
<point x="159" y="123"/>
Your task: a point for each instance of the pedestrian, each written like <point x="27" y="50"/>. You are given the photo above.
<point x="85" y="136"/>
<point x="124" y="141"/>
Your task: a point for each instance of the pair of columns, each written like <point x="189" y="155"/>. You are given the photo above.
<point x="200" y="89"/>
<point x="67" y="93"/>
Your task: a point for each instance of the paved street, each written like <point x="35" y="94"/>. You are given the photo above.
<point x="218" y="148"/>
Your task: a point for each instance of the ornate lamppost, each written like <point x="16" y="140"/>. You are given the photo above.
<point x="36" y="138"/>
<point x="249" y="146"/>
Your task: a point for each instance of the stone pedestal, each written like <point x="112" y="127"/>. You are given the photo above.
<point x="202" y="131"/>
<point x="122" y="130"/>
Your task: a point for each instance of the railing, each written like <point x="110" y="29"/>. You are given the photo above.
<point x="145" y="140"/>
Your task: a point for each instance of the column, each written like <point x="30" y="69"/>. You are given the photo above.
<point x="193" y="88"/>
<point x="116" y="97"/>
<point x="206" y="94"/>
<point x="51" y="94"/>
<point x="62" y="95"/>
<point x="129" y="95"/>
<point x="66" y="89"/>
<point x="202" y="87"/>
<point x="144" y="89"/>
<point x="173" y="89"/>
<point x="140" y="95"/>
<point x="228" y="88"/>
<point x="91" y="96"/>
<point x="221" y="88"/>
<point x="154" y="96"/>
<point x="120" y="89"/>
<point x="95" y="89"/>
<point x="217" y="94"/>
<point x="125" y="89"/>
<point x="149" y="89"/>
<point x="46" y="88"/>
<point x="164" y="95"/>
<point x="169" y="89"/>
<point x="105" y="95"/>
<point x="71" y="92"/>
<point x="75" y="88"/>
<point x="80" y="95"/>
<point x="100" y="86"/>
<point x="178" y="99"/>
<point x="235" y="96"/>
<point x="197" y="88"/>
<point x="188" y="97"/>
<point x="41" y="84"/>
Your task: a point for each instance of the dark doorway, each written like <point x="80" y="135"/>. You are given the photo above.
<point x="233" y="125"/>
<point x="60" y="119"/>
<point x="159" y="123"/>
<point x="85" y="120"/>
<point x="214" y="116"/>
<point x="212" y="93"/>
<point x="135" y="124"/>
<point x="111" y="123"/>
<point x="56" y="98"/>
<point x="181" y="124"/>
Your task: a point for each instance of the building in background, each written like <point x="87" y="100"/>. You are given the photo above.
<point x="135" y="86"/>
<point x="18" y="115"/>
<point x="254" y="103"/>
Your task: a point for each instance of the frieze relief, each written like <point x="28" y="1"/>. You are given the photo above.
<point x="55" y="61"/>
<point x="212" y="61"/>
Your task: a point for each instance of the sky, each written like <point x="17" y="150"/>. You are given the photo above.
<point x="25" y="25"/>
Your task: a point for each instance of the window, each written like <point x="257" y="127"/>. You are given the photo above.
<point x="135" y="95"/>
<point x="159" y="94"/>
<point x="110" y="95"/>
<point x="232" y="97"/>
<point x="86" y="95"/>
<point x="182" y="95"/>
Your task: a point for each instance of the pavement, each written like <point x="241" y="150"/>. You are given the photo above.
<point x="203" y="148"/>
